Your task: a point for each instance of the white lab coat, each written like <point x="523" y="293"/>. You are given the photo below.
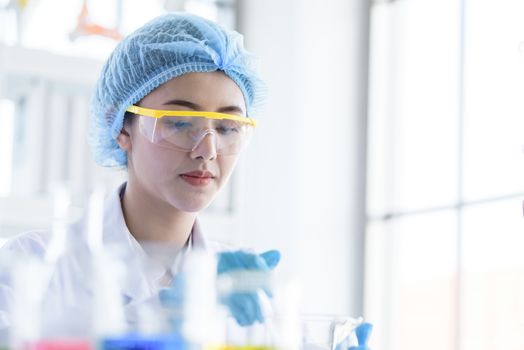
<point x="69" y="284"/>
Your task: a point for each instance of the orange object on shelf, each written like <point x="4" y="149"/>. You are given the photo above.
<point x="85" y="27"/>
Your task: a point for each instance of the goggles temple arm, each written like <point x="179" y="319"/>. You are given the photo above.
<point x="154" y="131"/>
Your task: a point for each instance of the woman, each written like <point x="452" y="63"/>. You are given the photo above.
<point x="173" y="104"/>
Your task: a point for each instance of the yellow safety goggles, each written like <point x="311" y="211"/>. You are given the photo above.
<point x="158" y="113"/>
<point x="184" y="130"/>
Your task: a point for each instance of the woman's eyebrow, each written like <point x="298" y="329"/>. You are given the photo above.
<point x="196" y="107"/>
<point x="184" y="103"/>
<point x="231" y="109"/>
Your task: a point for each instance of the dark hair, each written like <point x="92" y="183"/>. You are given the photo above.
<point x="129" y="118"/>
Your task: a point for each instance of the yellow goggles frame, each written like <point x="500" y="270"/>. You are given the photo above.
<point x="158" y="113"/>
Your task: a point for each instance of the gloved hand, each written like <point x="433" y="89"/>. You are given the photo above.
<point x="363" y="332"/>
<point x="245" y="306"/>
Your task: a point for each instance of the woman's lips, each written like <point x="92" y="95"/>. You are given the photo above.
<point x="197" y="178"/>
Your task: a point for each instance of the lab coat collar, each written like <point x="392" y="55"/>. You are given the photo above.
<point x="197" y="237"/>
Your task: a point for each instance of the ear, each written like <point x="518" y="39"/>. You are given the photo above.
<point x="124" y="138"/>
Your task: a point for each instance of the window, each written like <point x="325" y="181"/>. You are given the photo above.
<point x="444" y="265"/>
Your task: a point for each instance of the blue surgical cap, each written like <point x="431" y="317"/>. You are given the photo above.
<point x="164" y="48"/>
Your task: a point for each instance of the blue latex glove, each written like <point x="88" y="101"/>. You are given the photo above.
<point x="245" y="306"/>
<point x="363" y="332"/>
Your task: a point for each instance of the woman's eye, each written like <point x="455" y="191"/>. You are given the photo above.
<point x="179" y="125"/>
<point x="226" y="130"/>
<point x="227" y="127"/>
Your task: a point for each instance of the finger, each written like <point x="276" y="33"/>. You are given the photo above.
<point x="251" y="307"/>
<point x="271" y="257"/>
<point x="238" y="309"/>
<point x="363" y="332"/>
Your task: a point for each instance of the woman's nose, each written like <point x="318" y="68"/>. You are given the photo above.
<point x="205" y="148"/>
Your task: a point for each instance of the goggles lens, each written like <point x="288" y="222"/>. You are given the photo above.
<point x="185" y="132"/>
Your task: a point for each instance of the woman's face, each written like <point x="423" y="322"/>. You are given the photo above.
<point x="189" y="180"/>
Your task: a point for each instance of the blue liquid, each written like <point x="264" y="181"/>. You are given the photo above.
<point x="142" y="342"/>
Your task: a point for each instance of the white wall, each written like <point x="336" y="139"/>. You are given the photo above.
<point x="303" y="177"/>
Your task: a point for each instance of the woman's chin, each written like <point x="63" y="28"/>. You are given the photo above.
<point x="193" y="206"/>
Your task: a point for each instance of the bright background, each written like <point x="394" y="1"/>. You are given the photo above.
<point x="388" y="165"/>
